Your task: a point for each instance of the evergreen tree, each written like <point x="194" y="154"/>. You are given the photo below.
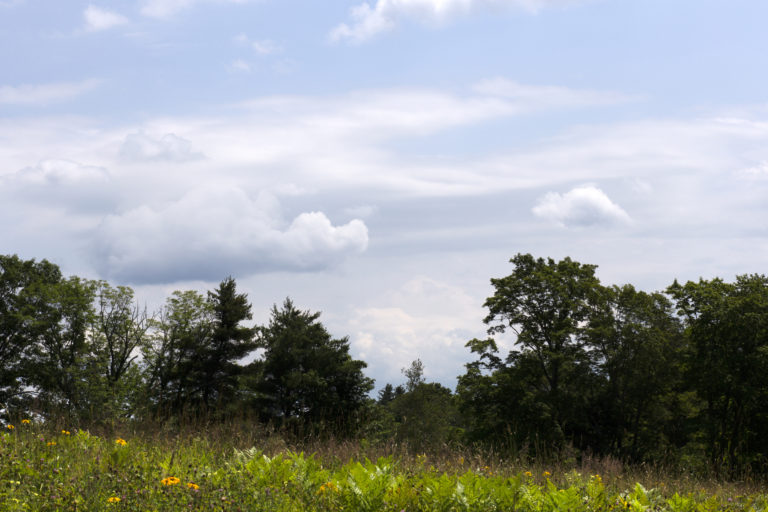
<point x="229" y="342"/>
<point x="306" y="376"/>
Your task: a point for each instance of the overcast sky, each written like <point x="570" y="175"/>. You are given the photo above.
<point x="381" y="160"/>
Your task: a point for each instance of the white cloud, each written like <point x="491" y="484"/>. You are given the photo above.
<point x="97" y="18"/>
<point x="424" y="318"/>
<point x="361" y="211"/>
<point x="61" y="184"/>
<point x="140" y="147"/>
<point x="219" y="230"/>
<point x="265" y="47"/>
<point x="62" y="172"/>
<point x="45" y="93"/>
<point x="582" y="206"/>
<point x="259" y="46"/>
<point x="541" y="97"/>
<point x="167" y="8"/>
<point x="240" y="65"/>
<point x="370" y="20"/>
<point x="758" y="171"/>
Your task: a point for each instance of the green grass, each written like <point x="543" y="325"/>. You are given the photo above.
<point x="242" y="468"/>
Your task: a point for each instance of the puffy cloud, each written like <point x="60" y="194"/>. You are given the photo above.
<point x="97" y="19"/>
<point x="582" y="206"/>
<point x="219" y="230"/>
<point x="369" y="20"/>
<point x="170" y="147"/>
<point x="45" y="93"/>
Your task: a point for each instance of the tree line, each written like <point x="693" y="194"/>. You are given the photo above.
<point x="675" y="377"/>
<point x="86" y="350"/>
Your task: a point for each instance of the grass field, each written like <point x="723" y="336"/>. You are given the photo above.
<point x="240" y="468"/>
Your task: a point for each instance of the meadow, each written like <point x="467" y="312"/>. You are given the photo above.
<point x="243" y="468"/>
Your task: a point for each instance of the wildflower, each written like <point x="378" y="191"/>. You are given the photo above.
<point x="50" y="443"/>
<point x="171" y="480"/>
<point x="121" y="442"/>
<point x="10" y="427"/>
<point x="65" y="432"/>
<point x="328" y="486"/>
<point x="25" y="422"/>
<point x="113" y="499"/>
<point x="528" y="474"/>
<point x="546" y="474"/>
<point x="192" y="486"/>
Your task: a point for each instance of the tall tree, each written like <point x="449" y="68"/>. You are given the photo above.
<point x="229" y="342"/>
<point x="727" y="328"/>
<point x="58" y="365"/>
<point x="20" y="309"/>
<point x="638" y="350"/>
<point x="546" y="303"/>
<point x="306" y="375"/>
<point x="184" y="324"/>
<point x="118" y="335"/>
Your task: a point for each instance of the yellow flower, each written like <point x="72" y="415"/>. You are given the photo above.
<point x="25" y="422"/>
<point x="65" y="432"/>
<point x="193" y="486"/>
<point x="546" y="474"/>
<point x="10" y="427"/>
<point x="121" y="442"/>
<point x="113" y="499"/>
<point x="171" y="480"/>
<point x="50" y="443"/>
<point x="528" y="474"/>
<point x="328" y="486"/>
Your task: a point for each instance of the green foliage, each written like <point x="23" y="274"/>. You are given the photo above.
<point x="545" y="303"/>
<point x="20" y="306"/>
<point x="305" y="376"/>
<point x="727" y="328"/>
<point x="183" y="326"/>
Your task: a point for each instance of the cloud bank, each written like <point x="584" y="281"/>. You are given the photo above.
<point x="219" y="229"/>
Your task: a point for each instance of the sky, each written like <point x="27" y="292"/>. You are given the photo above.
<point x="381" y="160"/>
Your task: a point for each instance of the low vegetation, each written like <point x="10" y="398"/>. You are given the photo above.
<point x="47" y="470"/>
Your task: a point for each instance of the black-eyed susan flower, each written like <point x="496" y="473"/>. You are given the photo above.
<point x="193" y="486"/>
<point x="50" y="443"/>
<point x="546" y="474"/>
<point x="65" y="432"/>
<point x="25" y="421"/>
<point x="121" y="442"/>
<point x="10" y="427"/>
<point x="113" y="499"/>
<point x="171" y="480"/>
<point x="528" y="474"/>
